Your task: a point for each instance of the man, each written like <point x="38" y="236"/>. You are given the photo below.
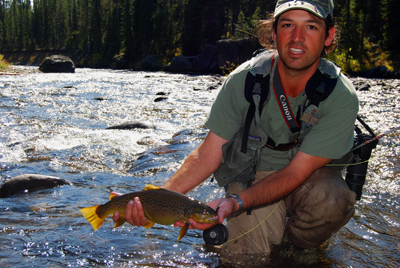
<point x="315" y="198"/>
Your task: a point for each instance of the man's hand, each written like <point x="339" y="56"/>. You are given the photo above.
<point x="225" y="207"/>
<point x="133" y="213"/>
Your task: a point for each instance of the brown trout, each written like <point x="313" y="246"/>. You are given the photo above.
<point x="159" y="205"/>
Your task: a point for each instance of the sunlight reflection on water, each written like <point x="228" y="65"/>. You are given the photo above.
<point x="54" y="124"/>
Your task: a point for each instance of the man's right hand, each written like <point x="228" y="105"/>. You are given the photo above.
<point x="133" y="213"/>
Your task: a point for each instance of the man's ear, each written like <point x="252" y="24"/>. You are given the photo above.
<point x="330" y="37"/>
<point x="273" y="34"/>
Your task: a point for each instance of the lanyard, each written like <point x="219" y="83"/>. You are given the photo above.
<point x="282" y="99"/>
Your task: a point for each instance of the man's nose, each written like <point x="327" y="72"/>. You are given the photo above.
<point x="298" y="34"/>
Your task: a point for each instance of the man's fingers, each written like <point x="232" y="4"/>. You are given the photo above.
<point x="116" y="216"/>
<point x="134" y="213"/>
<point x="129" y="212"/>
<point x="200" y="226"/>
<point x="140" y="213"/>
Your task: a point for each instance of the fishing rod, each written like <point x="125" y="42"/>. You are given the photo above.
<point x="356" y="172"/>
<point x="375" y="138"/>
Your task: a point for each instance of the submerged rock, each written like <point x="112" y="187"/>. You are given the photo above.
<point x="30" y="183"/>
<point x="57" y="64"/>
<point x="131" y="125"/>
<point x="160" y="99"/>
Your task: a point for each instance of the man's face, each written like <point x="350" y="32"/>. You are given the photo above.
<point x="300" y="39"/>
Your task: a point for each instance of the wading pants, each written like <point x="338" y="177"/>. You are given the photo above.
<point x="311" y="214"/>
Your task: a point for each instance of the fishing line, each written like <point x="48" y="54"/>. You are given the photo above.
<point x="256" y="225"/>
<point x="366" y="161"/>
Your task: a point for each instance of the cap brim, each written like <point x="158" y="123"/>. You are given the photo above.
<point x="298" y="5"/>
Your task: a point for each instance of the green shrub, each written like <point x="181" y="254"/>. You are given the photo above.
<point x="3" y="64"/>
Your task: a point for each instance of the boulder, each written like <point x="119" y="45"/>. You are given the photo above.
<point x="120" y="62"/>
<point x="57" y="64"/>
<point x="151" y="63"/>
<point x="30" y="183"/>
<point x="180" y="64"/>
<point x="378" y="72"/>
<point x="236" y="51"/>
<point x="207" y="61"/>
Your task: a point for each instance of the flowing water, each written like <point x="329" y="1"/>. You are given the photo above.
<point x="55" y="124"/>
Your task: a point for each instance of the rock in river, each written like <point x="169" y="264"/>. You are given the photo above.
<point x="57" y="64"/>
<point x="131" y="125"/>
<point x="30" y="182"/>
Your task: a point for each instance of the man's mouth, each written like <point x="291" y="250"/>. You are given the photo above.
<point x="296" y="51"/>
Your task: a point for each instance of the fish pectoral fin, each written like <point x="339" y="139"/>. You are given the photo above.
<point x="149" y="225"/>
<point x="92" y="217"/>
<point x="183" y="231"/>
<point x="150" y="187"/>
<point x="119" y="222"/>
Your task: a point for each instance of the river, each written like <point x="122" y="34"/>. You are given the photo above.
<point x="55" y="124"/>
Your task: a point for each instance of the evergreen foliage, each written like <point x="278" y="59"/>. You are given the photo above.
<point x="167" y="28"/>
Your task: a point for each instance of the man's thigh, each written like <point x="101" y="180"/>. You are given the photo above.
<point x="318" y="208"/>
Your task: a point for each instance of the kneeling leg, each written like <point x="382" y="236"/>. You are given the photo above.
<point x="318" y="208"/>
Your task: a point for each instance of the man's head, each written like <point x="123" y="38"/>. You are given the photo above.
<point x="321" y="9"/>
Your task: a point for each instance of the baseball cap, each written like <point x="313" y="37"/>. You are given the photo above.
<point x="320" y="8"/>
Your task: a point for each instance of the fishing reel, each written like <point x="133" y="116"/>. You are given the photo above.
<point x="357" y="171"/>
<point x="216" y="235"/>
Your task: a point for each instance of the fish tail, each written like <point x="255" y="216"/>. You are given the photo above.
<point x="92" y="217"/>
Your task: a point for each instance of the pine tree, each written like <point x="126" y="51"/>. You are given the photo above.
<point x="95" y="26"/>
<point x="127" y="35"/>
<point x="143" y="25"/>
<point x="112" y="42"/>
<point x="391" y="37"/>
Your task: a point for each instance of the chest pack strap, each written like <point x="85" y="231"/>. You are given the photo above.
<point x="258" y="85"/>
<point x="319" y="87"/>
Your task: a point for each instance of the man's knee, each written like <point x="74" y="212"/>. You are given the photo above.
<point x="318" y="208"/>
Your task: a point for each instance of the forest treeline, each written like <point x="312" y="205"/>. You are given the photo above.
<point x="101" y="29"/>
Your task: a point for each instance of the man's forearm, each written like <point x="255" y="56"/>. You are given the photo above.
<point x="283" y="182"/>
<point x="270" y="189"/>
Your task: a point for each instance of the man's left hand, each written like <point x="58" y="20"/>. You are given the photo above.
<point x="224" y="206"/>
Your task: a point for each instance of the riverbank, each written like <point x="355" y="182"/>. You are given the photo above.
<point x="221" y="58"/>
<point x="16" y="70"/>
<point x="35" y="57"/>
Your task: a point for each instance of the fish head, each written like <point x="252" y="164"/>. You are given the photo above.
<point x="203" y="213"/>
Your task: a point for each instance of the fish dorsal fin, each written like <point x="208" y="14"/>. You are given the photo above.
<point x="150" y="187"/>
<point x="113" y="195"/>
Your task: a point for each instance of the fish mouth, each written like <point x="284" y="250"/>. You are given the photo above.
<point x="209" y="218"/>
